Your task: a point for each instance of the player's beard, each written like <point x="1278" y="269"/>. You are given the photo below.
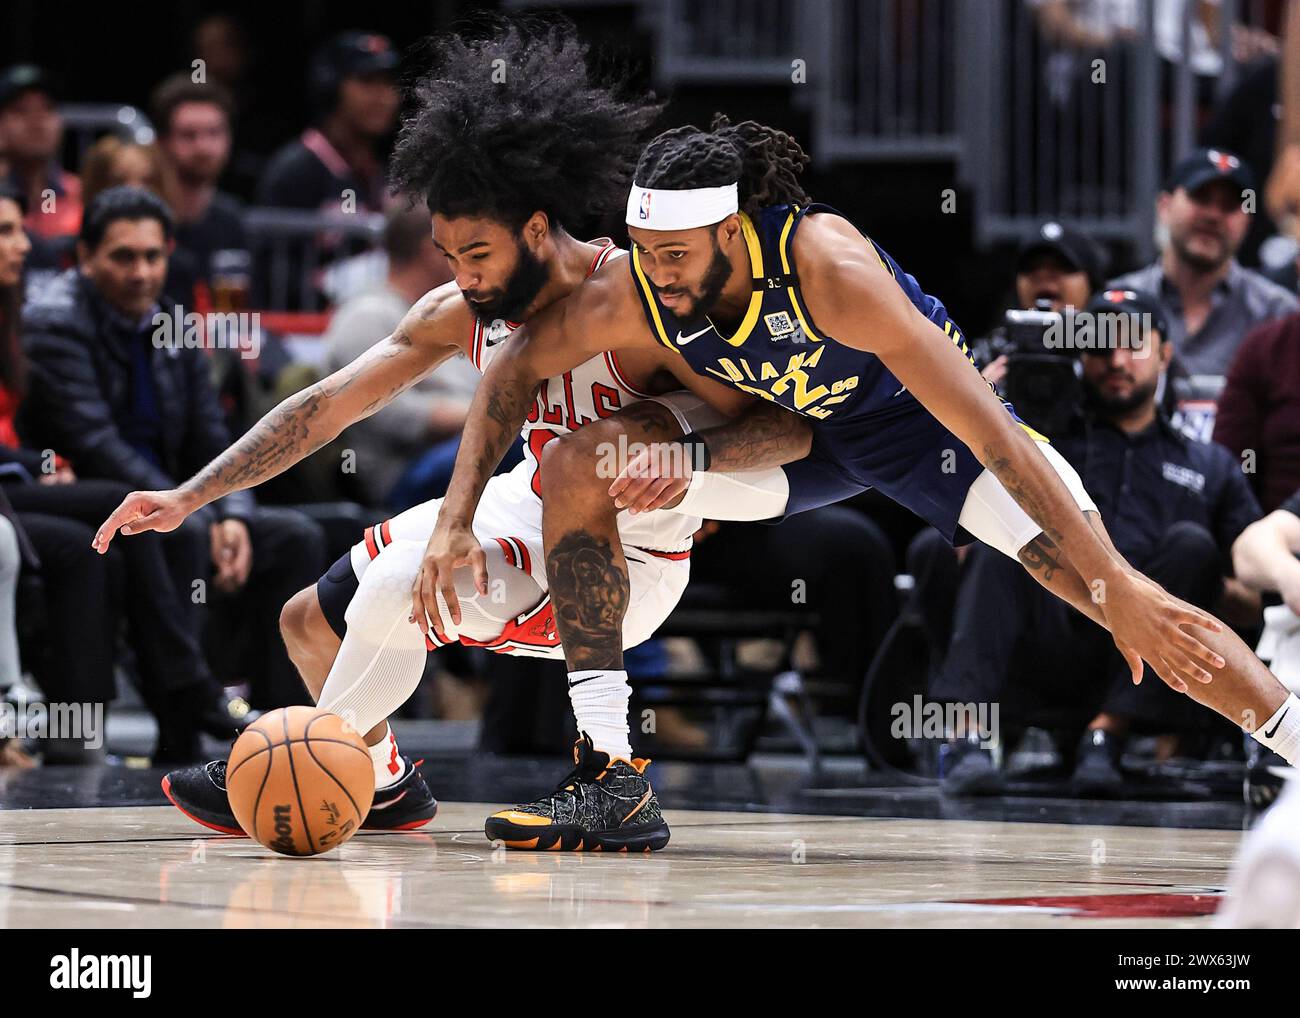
<point x="715" y="279"/>
<point x="521" y="289"/>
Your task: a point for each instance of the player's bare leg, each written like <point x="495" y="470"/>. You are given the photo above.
<point x="585" y="564"/>
<point x="1244" y="691"/>
<point x="606" y="802"/>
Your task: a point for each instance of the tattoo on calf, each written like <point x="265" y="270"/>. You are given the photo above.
<point x="589" y="593"/>
<point x="1042" y="554"/>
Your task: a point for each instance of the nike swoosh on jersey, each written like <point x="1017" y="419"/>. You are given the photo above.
<point x="683" y="340"/>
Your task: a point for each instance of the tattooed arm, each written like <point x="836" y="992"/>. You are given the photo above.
<point x="855" y="299"/>
<point x="858" y="302"/>
<point x="433" y="330"/>
<point x="765" y="435"/>
<point x="601" y="314"/>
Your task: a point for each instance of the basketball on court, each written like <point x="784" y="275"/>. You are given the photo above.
<point x="616" y="465"/>
<point x="300" y="781"/>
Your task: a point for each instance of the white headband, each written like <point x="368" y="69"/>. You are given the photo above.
<point x="657" y="209"/>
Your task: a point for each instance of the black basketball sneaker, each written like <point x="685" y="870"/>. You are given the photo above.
<point x="1266" y="773"/>
<point x="200" y="793"/>
<point x="603" y="804"/>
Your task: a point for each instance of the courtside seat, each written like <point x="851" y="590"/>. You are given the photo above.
<point x="738" y="700"/>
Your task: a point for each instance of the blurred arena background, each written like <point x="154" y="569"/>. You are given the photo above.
<point x="969" y="137"/>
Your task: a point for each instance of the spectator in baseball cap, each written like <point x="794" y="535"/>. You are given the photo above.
<point x="355" y="98"/>
<point x="1060" y="265"/>
<point x="1142" y="306"/>
<point x="1173" y="508"/>
<point x="31" y="133"/>
<point x="1057" y="266"/>
<point x="1210" y="300"/>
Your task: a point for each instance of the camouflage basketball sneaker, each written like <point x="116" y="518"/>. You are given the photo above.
<point x="200" y="793"/>
<point x="603" y="804"/>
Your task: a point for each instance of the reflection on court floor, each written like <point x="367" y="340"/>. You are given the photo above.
<point x="149" y="866"/>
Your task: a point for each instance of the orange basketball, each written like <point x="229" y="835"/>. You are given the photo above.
<point x="300" y="781"/>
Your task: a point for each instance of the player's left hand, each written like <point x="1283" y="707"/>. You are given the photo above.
<point x="654" y="477"/>
<point x="1150" y="624"/>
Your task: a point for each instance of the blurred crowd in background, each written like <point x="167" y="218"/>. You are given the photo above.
<point x="1190" y="446"/>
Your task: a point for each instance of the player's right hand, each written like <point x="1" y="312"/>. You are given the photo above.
<point x="655" y="476"/>
<point x="142" y="511"/>
<point x="1150" y="624"/>
<point x="451" y="546"/>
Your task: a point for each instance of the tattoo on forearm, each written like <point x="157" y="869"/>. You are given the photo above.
<point x="766" y="436"/>
<point x="1041" y="554"/>
<point x="292" y="431"/>
<point x="589" y="592"/>
<point x="488" y="435"/>
<point x="1001" y="468"/>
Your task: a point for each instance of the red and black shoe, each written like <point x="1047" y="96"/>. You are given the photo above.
<point x="603" y="805"/>
<point x="200" y="793"/>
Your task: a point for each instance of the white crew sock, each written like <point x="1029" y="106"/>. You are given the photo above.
<point x="599" y="701"/>
<point x="389" y="765"/>
<point x="1281" y="732"/>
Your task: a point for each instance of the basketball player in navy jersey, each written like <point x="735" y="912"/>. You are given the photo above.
<point x="503" y="167"/>
<point x="750" y="284"/>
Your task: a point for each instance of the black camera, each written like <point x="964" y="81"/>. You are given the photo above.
<point x="1042" y="379"/>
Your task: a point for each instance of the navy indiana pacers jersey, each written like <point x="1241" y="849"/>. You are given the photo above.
<point x="868" y="430"/>
<point x="778" y="352"/>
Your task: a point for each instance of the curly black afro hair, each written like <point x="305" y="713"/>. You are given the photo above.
<point x="513" y="122"/>
<point x="766" y="162"/>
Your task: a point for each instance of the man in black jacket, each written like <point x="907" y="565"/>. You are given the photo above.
<point x="110" y="393"/>
<point x="1173" y="505"/>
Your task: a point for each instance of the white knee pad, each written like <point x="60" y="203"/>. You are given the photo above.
<point x="992" y="515"/>
<point x="510" y="593"/>
<point x="383" y="596"/>
<point x="381" y="660"/>
<point x="384" y="590"/>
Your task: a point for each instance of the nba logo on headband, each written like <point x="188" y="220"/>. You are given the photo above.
<point x="679" y="208"/>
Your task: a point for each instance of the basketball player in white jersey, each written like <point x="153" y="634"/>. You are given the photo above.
<point x="503" y="165"/>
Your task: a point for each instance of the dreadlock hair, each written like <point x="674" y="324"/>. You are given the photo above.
<point x="766" y="162"/>
<point x="514" y="123"/>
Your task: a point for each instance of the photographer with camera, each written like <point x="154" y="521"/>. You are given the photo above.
<point x="1174" y="507"/>
<point x="1057" y="268"/>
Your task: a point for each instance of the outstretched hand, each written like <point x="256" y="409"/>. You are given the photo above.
<point x="1150" y="624"/>
<point x="143" y="511"/>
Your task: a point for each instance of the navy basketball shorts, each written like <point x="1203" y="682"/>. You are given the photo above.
<point x="907" y="455"/>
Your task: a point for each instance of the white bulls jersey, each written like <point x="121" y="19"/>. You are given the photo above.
<point x="594" y="389"/>
<point x="656" y="545"/>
